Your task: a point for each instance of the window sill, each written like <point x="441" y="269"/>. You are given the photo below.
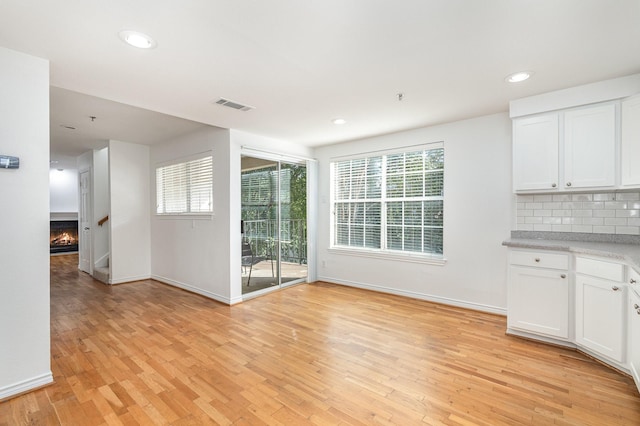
<point x="187" y="216"/>
<point x="429" y="259"/>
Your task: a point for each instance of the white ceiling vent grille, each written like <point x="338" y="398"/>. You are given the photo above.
<point x="233" y="104"/>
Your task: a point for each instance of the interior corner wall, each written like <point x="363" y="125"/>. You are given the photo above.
<point x="100" y="207"/>
<point x="24" y="252"/>
<point x="478" y="208"/>
<point x="85" y="162"/>
<point x="63" y="191"/>
<point x="192" y="252"/>
<point x="129" y="212"/>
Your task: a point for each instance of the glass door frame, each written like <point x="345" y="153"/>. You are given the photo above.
<point x="279" y="160"/>
<point x="280" y="222"/>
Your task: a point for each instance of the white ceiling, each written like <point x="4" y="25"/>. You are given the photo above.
<point x="112" y="120"/>
<point x="303" y="63"/>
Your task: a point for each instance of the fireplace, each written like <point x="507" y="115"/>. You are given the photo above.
<point x="63" y="236"/>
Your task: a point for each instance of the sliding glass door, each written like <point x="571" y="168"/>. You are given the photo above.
<point x="293" y="222"/>
<point x="274" y="224"/>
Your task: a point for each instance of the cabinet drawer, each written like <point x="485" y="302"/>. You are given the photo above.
<point x="601" y="269"/>
<point x="540" y="259"/>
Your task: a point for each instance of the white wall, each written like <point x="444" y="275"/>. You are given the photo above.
<point x="85" y="161"/>
<point x="129" y="218"/>
<point x="202" y="254"/>
<point x="63" y="191"/>
<point x="24" y="251"/>
<point x="193" y="252"/>
<point x="269" y="145"/>
<point x="477" y="218"/>
<point x="100" y="206"/>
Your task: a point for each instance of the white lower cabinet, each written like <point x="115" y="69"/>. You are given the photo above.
<point x="600" y="319"/>
<point x="633" y="332"/>
<point x="595" y="311"/>
<point x="634" y="336"/>
<point x="539" y="301"/>
<point x="538" y="297"/>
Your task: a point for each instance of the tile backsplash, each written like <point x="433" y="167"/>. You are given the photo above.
<point x="596" y="213"/>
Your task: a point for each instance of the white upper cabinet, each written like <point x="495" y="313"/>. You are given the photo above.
<point x="630" y="136"/>
<point x="565" y="150"/>
<point x="535" y="153"/>
<point x="590" y="147"/>
<point x="595" y="128"/>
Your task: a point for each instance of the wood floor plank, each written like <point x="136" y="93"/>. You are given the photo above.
<point x="320" y="354"/>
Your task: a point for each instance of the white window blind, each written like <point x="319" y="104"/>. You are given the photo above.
<point x="390" y="202"/>
<point x="185" y="188"/>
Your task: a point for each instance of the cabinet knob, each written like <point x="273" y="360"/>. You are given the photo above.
<point x="537" y="259"/>
<point x="553" y="185"/>
<point x="563" y="276"/>
<point x="632" y="281"/>
<point x="635" y="306"/>
<point x="568" y="183"/>
<point x="615" y="288"/>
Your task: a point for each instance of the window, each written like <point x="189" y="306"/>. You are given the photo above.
<point x="391" y="203"/>
<point x="185" y="188"/>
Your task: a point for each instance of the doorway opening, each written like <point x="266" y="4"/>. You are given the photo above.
<point x="274" y="223"/>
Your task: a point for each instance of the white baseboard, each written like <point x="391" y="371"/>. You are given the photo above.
<point x="539" y="338"/>
<point x="129" y="279"/>
<point x="636" y="376"/>
<point x="192" y="289"/>
<point x="422" y="296"/>
<point x="26" y="385"/>
<point x="616" y="364"/>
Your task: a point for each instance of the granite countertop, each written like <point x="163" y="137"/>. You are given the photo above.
<point x="626" y="250"/>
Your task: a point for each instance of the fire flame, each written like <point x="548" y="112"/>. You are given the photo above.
<point x="63" y="239"/>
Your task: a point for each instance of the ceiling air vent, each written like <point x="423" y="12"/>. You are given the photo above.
<point x="234" y="105"/>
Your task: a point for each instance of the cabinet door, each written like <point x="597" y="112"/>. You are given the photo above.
<point x="600" y="307"/>
<point x="539" y="301"/>
<point x="535" y="153"/>
<point x="630" y="136"/>
<point x="590" y="147"/>
<point x="634" y="336"/>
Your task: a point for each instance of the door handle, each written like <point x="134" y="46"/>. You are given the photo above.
<point x="86" y="228"/>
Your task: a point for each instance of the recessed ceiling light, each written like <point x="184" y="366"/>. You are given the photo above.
<point x="519" y="76"/>
<point x="137" y="39"/>
<point x="339" y="121"/>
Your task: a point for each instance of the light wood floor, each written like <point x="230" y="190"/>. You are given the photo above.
<point x="146" y="353"/>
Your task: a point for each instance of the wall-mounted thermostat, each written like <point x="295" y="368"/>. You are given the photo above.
<point x="7" y="162"/>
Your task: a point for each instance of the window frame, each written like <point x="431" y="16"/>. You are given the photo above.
<point x="384" y="200"/>
<point x="187" y="214"/>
